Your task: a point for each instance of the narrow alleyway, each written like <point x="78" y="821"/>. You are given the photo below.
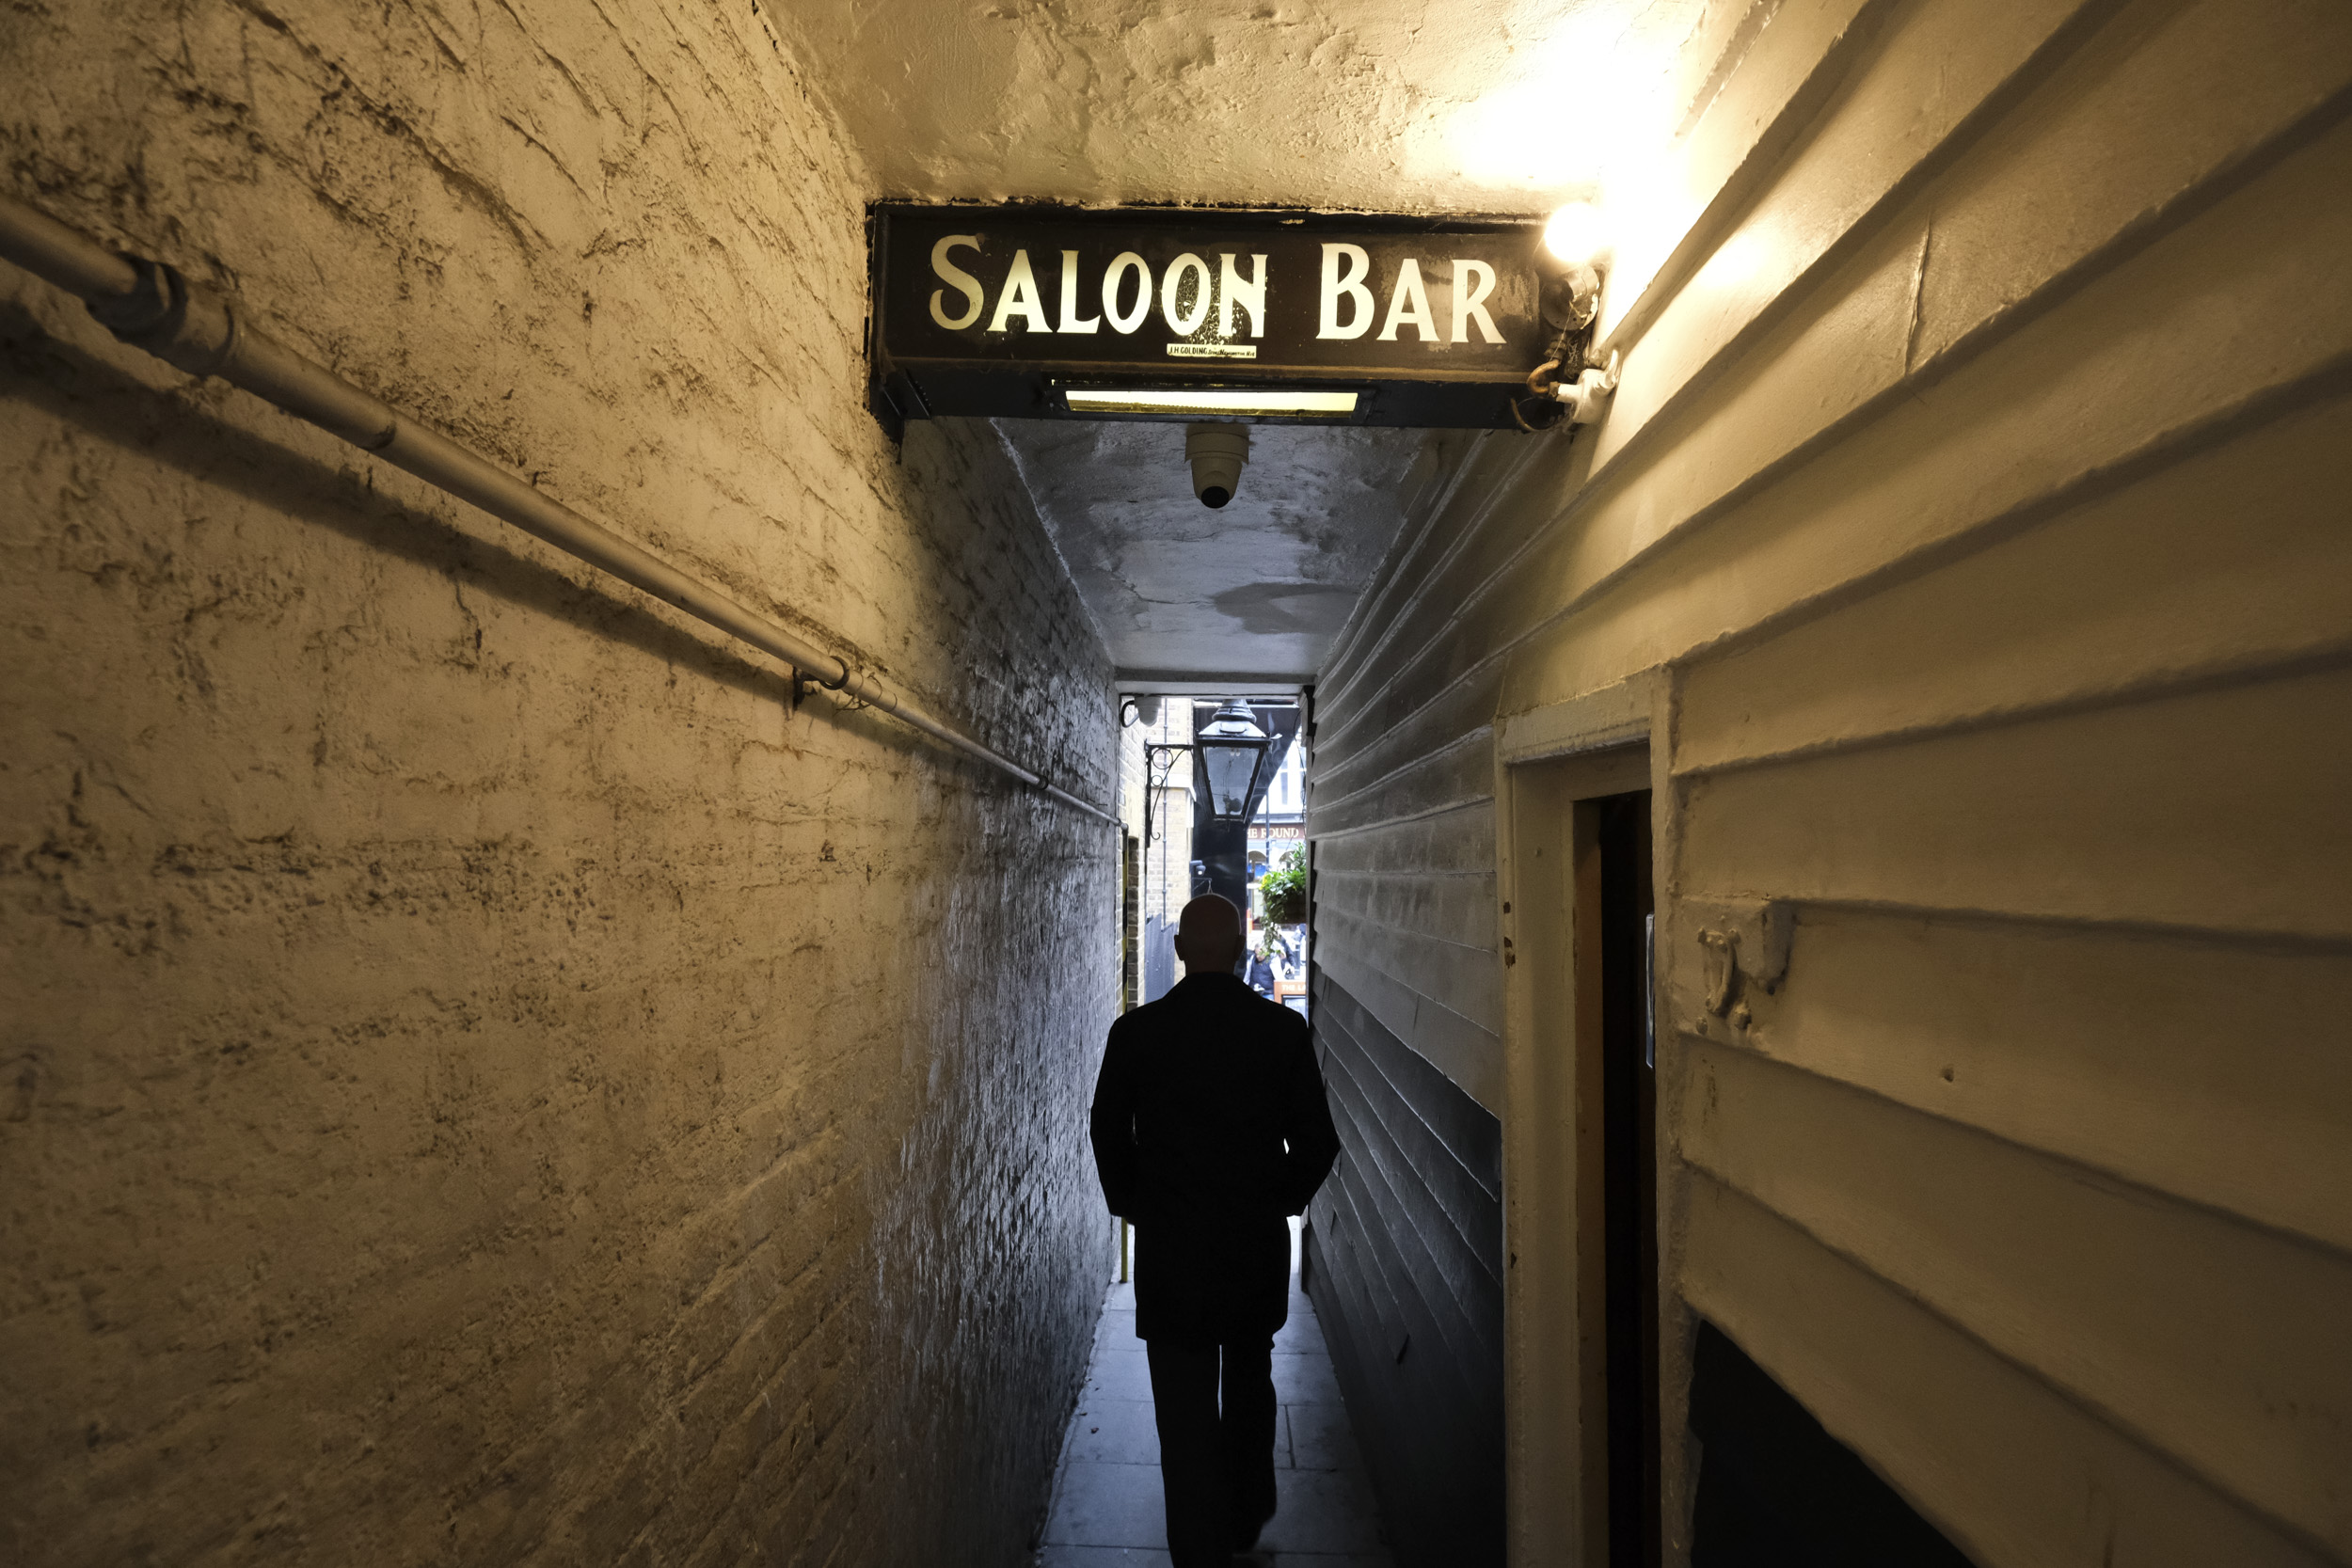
<point x="1107" y="1508"/>
<point x="630" y="627"/>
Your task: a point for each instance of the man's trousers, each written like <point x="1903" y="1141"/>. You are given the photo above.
<point x="1217" y="1457"/>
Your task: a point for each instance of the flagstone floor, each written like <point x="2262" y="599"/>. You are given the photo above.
<point x="1106" y="1511"/>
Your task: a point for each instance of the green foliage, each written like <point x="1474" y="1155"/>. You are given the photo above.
<point x="1285" y="891"/>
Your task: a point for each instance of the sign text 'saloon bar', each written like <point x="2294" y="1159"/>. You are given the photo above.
<point x="1008" y="311"/>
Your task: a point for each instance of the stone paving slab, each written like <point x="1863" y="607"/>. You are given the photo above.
<point x="1327" y="1510"/>
<point x="1136" y="1557"/>
<point x="1108" y="1505"/>
<point x="1320" y="1438"/>
<point x="1124" y="1432"/>
<point x="1109" y="1510"/>
<point x="1113" y="1431"/>
<point x="1118" y="1374"/>
<point x="1303" y="1380"/>
<point x="1302" y="1335"/>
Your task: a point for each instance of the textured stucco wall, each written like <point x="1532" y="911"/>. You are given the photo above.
<point x="1388" y="105"/>
<point x="485" y="1079"/>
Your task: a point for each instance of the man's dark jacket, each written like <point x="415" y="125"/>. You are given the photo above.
<point x="1210" y="1126"/>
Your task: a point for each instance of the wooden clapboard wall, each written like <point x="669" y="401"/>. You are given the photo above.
<point x="1406" y="1240"/>
<point x="1981" y="482"/>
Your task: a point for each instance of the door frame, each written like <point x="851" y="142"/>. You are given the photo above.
<point x="1606" y="742"/>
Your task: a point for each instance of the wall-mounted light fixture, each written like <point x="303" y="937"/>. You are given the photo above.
<point x="1575" y="241"/>
<point x="1574" y="235"/>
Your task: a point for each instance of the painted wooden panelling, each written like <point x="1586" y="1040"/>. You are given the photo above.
<point x="1423" y="783"/>
<point x="2010" y="1470"/>
<point x="2216" y="808"/>
<point x="2087" y="395"/>
<point x="1438" y="1304"/>
<point x="1406" y="1272"/>
<point x="2097" y="385"/>
<point x="2213" y="1070"/>
<point x="1452" y="975"/>
<point x="1467" y="1053"/>
<point x="2229" y="559"/>
<point x="1933" y="69"/>
<point x="1450" y="1141"/>
<point x="2234" y="1367"/>
<point x="1741" y="135"/>
<point x="2032" y="191"/>
<point x="1443" y="843"/>
<point x="1485" y="484"/>
<point x="1977" y="485"/>
<point x="1455" y="908"/>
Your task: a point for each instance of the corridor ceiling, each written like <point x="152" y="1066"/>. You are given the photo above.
<point x="1257" y="589"/>
<point x="1439" y="106"/>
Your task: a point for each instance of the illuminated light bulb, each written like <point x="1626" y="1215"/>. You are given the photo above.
<point x="1574" y="234"/>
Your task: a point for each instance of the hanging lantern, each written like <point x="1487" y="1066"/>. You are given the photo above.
<point x="1234" y="749"/>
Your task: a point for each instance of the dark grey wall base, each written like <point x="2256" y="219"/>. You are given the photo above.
<point x="1774" y="1488"/>
<point x="1405" y="1262"/>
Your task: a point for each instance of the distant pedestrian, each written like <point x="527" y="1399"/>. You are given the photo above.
<point x="1261" y="971"/>
<point x="1210" y="1128"/>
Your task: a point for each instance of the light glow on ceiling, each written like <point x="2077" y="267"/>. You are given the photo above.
<point x="1208" y="401"/>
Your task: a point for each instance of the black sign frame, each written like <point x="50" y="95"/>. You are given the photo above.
<point x="1200" y="298"/>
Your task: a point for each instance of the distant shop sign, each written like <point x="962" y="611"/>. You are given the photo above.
<point x="1047" y="313"/>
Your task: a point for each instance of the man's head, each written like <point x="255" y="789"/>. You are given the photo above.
<point x="1209" y="936"/>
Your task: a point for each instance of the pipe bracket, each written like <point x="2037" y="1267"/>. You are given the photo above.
<point x="189" y="328"/>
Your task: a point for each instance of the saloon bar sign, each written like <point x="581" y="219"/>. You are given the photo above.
<point x="1045" y="313"/>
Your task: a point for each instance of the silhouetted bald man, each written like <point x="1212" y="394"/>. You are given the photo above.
<point x="1209" y="1128"/>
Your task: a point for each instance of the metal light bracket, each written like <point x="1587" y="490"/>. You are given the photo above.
<point x="1583" y="398"/>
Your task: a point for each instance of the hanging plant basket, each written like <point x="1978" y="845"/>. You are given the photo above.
<point x="1283" y="892"/>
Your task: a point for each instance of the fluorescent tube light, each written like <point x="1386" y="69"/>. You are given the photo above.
<point x="1182" y="401"/>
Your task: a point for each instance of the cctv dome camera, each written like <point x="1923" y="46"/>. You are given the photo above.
<point x="1217" y="453"/>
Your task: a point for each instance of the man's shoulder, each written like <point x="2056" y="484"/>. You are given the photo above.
<point x="1271" y="1019"/>
<point x="1143" y="1021"/>
<point x="1143" y="1015"/>
<point x="1183" y="1011"/>
<point x="1275" y="1013"/>
<point x="1123" y="1027"/>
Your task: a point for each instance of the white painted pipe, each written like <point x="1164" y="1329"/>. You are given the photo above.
<point x="151" y="306"/>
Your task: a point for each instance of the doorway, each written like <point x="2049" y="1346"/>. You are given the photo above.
<point x="1617" y="1068"/>
<point x="1585" y="1468"/>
